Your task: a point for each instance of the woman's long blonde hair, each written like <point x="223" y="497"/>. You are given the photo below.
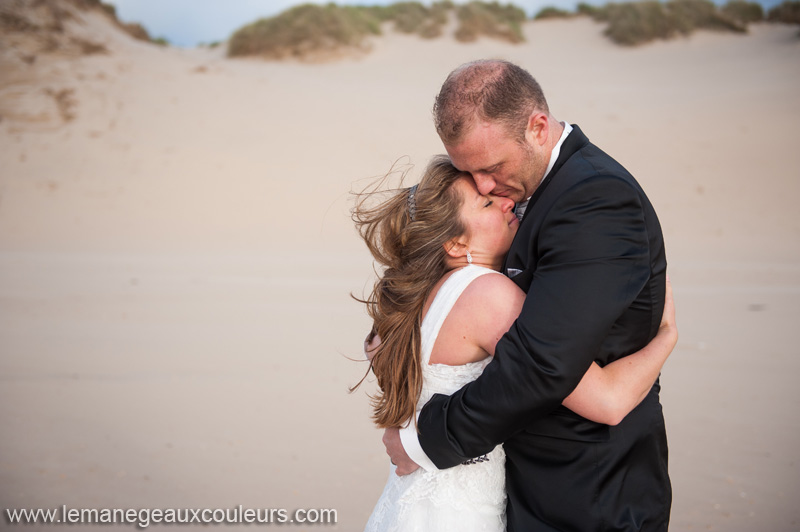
<point x="412" y="253"/>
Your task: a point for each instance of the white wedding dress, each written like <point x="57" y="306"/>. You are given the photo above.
<point x="466" y="498"/>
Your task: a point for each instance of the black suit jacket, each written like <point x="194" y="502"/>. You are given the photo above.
<point x="592" y="262"/>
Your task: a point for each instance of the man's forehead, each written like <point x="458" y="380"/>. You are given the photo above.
<point x="476" y="151"/>
<point x="484" y="133"/>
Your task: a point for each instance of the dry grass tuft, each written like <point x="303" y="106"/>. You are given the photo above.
<point x="304" y="30"/>
<point x="494" y="20"/>
<point x="553" y="12"/>
<point x="413" y="17"/>
<point x="787" y="13"/>
<point x="743" y="12"/>
<point x="637" y="23"/>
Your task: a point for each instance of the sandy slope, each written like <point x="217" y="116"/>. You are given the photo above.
<point x="175" y="264"/>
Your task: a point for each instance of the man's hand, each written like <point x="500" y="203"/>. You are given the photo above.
<point x="398" y="456"/>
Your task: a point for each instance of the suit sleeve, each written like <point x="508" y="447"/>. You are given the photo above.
<point x="593" y="261"/>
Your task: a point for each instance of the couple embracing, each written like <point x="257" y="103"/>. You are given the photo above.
<point x="521" y="321"/>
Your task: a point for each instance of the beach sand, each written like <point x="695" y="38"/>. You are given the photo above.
<point x="177" y="258"/>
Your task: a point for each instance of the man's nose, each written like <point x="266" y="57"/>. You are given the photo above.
<point x="484" y="183"/>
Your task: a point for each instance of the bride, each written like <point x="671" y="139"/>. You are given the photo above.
<point x="438" y="309"/>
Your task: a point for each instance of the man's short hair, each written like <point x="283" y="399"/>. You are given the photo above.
<point x="487" y="90"/>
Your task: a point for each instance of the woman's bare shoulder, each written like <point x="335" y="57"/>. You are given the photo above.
<point x="489" y="305"/>
<point x="492" y="289"/>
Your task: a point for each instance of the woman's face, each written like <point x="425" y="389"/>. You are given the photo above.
<point x="490" y="221"/>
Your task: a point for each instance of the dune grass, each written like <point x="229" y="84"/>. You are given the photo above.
<point x="413" y="17"/>
<point x="691" y="15"/>
<point x="632" y="24"/>
<point x="304" y="30"/>
<point x="589" y="10"/>
<point x="637" y="23"/>
<point x="743" y="12"/>
<point x="787" y="12"/>
<point x="308" y="30"/>
<point x="551" y="12"/>
<point x="478" y="19"/>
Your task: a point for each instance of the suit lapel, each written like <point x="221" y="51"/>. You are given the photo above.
<point x="520" y="262"/>
<point x="574" y="141"/>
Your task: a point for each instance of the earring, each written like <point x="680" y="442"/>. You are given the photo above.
<point x="469" y="257"/>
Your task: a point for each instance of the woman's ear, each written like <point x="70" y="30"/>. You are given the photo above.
<point x="456" y="248"/>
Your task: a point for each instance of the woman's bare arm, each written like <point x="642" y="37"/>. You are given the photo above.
<point x="606" y="395"/>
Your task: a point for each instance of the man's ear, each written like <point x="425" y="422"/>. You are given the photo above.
<point x="538" y="128"/>
<point x="456" y="247"/>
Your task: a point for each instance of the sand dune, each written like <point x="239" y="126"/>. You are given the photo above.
<point x="176" y="258"/>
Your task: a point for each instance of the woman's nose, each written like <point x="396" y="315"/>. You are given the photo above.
<point x="506" y="204"/>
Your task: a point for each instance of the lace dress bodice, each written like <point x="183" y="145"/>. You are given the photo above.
<point x="464" y="498"/>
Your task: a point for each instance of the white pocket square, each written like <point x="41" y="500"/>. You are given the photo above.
<point x="512" y="272"/>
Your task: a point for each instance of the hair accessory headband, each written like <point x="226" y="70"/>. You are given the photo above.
<point x="412" y="203"/>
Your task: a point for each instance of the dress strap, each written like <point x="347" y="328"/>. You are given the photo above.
<point x="443" y="302"/>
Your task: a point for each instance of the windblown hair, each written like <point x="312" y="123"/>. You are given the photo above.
<point x="487" y="90"/>
<point x="413" y="256"/>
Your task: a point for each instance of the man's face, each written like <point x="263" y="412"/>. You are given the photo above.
<point x="497" y="162"/>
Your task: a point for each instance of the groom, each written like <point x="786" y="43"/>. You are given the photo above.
<point x="590" y="255"/>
